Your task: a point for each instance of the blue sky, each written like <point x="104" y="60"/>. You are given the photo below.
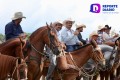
<point x="38" y="12"/>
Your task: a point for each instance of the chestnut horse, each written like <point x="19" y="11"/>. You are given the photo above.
<point x="8" y="66"/>
<point x="113" y="64"/>
<point x="13" y="47"/>
<point x="116" y="65"/>
<point x="77" y="59"/>
<point x="44" y="35"/>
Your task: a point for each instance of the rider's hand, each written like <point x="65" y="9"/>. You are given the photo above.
<point x="23" y="35"/>
<point x="80" y="43"/>
<point x="76" y="32"/>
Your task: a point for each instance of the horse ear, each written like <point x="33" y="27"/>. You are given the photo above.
<point x="48" y="26"/>
<point x="19" y="60"/>
<point x="116" y="42"/>
<point x="93" y="42"/>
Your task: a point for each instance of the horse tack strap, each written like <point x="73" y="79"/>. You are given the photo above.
<point x="77" y="68"/>
<point x="37" y="50"/>
<point x="16" y="68"/>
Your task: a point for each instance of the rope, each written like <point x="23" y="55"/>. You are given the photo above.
<point x="79" y="69"/>
<point x="37" y="50"/>
<point x="18" y="76"/>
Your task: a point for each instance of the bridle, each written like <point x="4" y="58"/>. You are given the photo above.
<point x="81" y="69"/>
<point x="95" y="50"/>
<point x="51" y="45"/>
<point x="50" y="37"/>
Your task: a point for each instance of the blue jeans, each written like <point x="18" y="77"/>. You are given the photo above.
<point x="71" y="48"/>
<point x="52" y="58"/>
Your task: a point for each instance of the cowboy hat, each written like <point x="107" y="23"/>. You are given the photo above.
<point x="57" y="22"/>
<point x="80" y="25"/>
<point x="18" y="15"/>
<point x="107" y="27"/>
<point x="94" y="33"/>
<point x="100" y="27"/>
<point x="67" y="20"/>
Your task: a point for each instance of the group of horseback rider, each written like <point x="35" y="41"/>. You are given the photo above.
<point x="69" y="38"/>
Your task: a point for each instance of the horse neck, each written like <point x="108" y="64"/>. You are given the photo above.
<point x="81" y="56"/>
<point x="8" y="48"/>
<point x="37" y="41"/>
<point x="107" y="51"/>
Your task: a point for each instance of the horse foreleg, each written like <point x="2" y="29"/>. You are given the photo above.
<point x="95" y="77"/>
<point x="118" y="71"/>
<point x="33" y="71"/>
<point x="102" y="75"/>
<point x="78" y="77"/>
<point x="69" y="76"/>
<point x="107" y="75"/>
<point x="112" y="76"/>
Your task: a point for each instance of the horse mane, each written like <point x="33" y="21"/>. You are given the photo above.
<point x="83" y="46"/>
<point x="36" y="31"/>
<point x="8" y="41"/>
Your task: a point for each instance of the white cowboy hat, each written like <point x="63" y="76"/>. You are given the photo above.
<point x="18" y="15"/>
<point x="80" y="25"/>
<point x="94" y="33"/>
<point x="57" y="22"/>
<point x="69" y="19"/>
<point x="100" y="27"/>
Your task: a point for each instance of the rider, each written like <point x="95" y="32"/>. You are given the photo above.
<point x="101" y="29"/>
<point x="13" y="29"/>
<point x="52" y="57"/>
<point x="69" y="36"/>
<point x="107" y="38"/>
<point x="94" y="36"/>
<point x="79" y="28"/>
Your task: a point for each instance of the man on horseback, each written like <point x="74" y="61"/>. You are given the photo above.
<point x="69" y="36"/>
<point x="109" y="40"/>
<point x="79" y="28"/>
<point x="101" y="29"/>
<point x="52" y="57"/>
<point x="13" y="29"/>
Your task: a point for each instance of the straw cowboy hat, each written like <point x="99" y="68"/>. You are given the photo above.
<point x="100" y="27"/>
<point x="67" y="20"/>
<point x="80" y="25"/>
<point x="94" y="33"/>
<point x="57" y="22"/>
<point x="18" y="15"/>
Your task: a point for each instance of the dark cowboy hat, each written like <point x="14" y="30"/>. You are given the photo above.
<point x="107" y="27"/>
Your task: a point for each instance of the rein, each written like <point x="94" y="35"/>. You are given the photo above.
<point x="16" y="68"/>
<point x="37" y="50"/>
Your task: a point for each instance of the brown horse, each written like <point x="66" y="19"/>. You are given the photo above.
<point x="77" y="59"/>
<point x="110" y="72"/>
<point x="44" y="35"/>
<point x="116" y="65"/>
<point x="8" y="66"/>
<point x="13" y="47"/>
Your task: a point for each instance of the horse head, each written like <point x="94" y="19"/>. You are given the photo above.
<point x="117" y="43"/>
<point x="53" y="41"/>
<point x="98" y="56"/>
